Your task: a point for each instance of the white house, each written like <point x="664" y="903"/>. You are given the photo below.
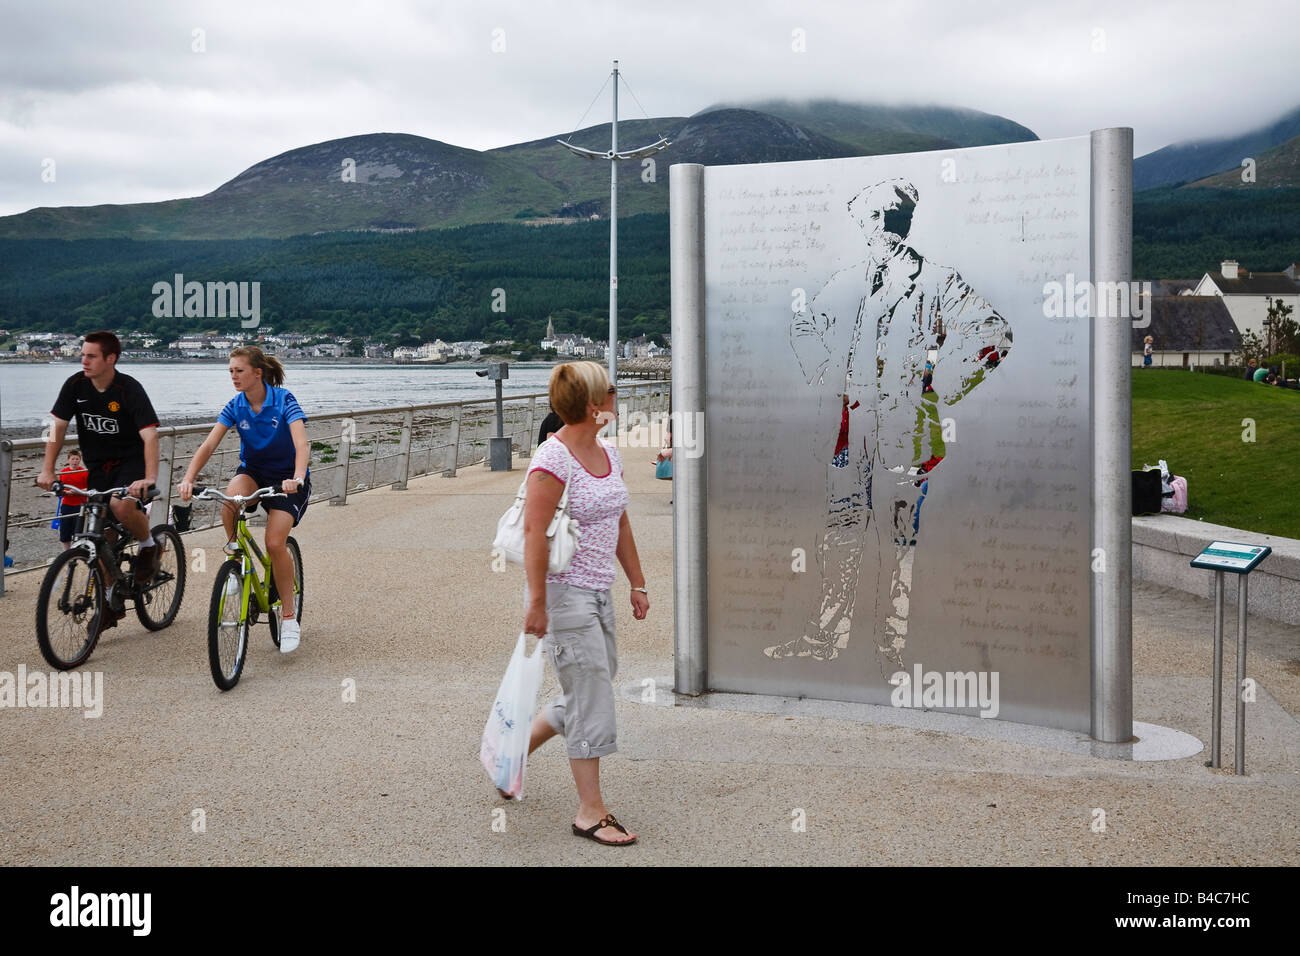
<point x="467" y="349"/>
<point x="1248" y="294"/>
<point x="435" y="351"/>
<point x="638" y="347"/>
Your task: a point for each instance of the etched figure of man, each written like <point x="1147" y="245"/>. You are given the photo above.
<point x="864" y="342"/>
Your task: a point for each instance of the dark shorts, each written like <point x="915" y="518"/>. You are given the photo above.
<point x="295" y="504"/>
<point x="114" y="474"/>
<point x="69" y="521"/>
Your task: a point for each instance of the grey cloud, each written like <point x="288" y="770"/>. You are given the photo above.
<point x="79" y="79"/>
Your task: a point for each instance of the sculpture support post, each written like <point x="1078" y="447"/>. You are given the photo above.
<point x="1112" y="595"/>
<point x="686" y="256"/>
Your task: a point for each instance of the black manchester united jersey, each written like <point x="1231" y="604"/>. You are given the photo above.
<point x="108" y="422"/>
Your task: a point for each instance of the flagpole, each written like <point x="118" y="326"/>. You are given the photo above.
<point x="613" y="240"/>
<point x="613" y="156"/>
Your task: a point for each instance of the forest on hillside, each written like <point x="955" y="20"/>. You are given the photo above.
<point x="418" y="286"/>
<point x="1184" y="233"/>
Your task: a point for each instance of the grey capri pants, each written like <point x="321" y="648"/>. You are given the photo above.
<point x="581" y="648"/>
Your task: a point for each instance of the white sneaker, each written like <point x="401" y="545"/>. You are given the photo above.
<point x="289" y="634"/>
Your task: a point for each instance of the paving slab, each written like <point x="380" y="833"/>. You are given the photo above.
<point x="403" y="605"/>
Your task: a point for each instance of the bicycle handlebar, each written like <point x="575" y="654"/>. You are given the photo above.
<point x="60" y="489"/>
<point x="212" y="494"/>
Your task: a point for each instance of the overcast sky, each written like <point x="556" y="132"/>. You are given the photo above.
<point x="116" y="94"/>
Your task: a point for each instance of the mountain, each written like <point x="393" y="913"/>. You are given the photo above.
<point x="409" y="182"/>
<point x="1275" y="168"/>
<point x="1191" y="161"/>
<point x="874" y="128"/>
<point x="718" y="138"/>
<point x="400" y="182"/>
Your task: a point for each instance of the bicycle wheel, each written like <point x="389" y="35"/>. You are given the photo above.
<point x="274" y="617"/>
<point x="227" y="628"/>
<point x="156" y="605"/>
<point x="70" y="609"/>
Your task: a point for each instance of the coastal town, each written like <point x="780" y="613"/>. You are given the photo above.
<point x="1228" y="312"/>
<point x="214" y="345"/>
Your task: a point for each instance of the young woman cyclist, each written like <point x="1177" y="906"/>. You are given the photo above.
<point x="273" y="451"/>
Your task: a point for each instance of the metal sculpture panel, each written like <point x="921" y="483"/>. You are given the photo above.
<point x="897" y="430"/>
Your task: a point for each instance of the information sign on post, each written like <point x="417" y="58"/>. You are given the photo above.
<point x="1239" y="559"/>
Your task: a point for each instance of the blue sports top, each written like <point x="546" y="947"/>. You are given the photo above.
<point x="265" y="443"/>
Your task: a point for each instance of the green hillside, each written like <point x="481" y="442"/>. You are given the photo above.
<point x="429" y="284"/>
<point x="1183" y="233"/>
<point x="1194" y="422"/>
<point x="406" y="182"/>
<point x="396" y="182"/>
<point x="1276" y="168"/>
<point x="434" y="280"/>
<point x="1191" y="161"/>
<point x="875" y="128"/>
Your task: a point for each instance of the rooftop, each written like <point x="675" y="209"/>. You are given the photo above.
<point x="1188" y="323"/>
<point x="1257" y="283"/>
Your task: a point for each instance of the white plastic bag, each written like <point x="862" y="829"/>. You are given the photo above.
<point x="504" y="751"/>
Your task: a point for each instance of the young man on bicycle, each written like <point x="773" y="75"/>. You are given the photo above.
<point x="274" y="452"/>
<point x="118" y="433"/>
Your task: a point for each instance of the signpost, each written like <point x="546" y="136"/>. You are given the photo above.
<point x="1238" y="559"/>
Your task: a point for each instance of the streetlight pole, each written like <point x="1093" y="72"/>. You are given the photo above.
<point x="613" y="157"/>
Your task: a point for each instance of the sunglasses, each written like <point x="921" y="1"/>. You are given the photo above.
<point x="612" y="390"/>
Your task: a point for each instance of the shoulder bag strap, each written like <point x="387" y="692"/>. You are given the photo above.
<point x="564" y="498"/>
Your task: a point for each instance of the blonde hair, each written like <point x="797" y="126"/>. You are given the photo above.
<point x="1148" y="340"/>
<point x="573" y="386"/>
<point x="272" y="370"/>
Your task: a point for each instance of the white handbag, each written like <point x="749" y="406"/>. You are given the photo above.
<point x="562" y="533"/>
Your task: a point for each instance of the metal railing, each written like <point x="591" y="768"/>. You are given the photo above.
<point x="370" y="444"/>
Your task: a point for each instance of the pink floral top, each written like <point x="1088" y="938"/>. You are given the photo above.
<point x="596" y="502"/>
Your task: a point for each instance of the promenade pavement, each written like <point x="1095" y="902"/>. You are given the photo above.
<point x="401" y="600"/>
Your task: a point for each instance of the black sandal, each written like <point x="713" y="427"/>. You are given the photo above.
<point x="608" y="821"/>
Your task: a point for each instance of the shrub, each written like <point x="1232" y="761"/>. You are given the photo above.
<point x="1290" y="360"/>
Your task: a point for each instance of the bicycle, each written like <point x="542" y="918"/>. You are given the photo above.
<point x="95" y="577"/>
<point x="229" y="621"/>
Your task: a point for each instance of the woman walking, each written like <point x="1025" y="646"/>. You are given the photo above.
<point x="274" y="452"/>
<point x="574" y="610"/>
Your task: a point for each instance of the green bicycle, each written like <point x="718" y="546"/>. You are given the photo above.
<point x="241" y="594"/>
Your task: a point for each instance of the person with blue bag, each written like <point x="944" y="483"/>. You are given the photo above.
<point x="573" y="611"/>
<point x="664" y="462"/>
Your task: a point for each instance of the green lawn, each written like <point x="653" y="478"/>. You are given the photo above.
<point x="1194" y="422"/>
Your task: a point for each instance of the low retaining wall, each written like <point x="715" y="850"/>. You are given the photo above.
<point x="1164" y="545"/>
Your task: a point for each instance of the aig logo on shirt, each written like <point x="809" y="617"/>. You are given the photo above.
<point x="100" y="424"/>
